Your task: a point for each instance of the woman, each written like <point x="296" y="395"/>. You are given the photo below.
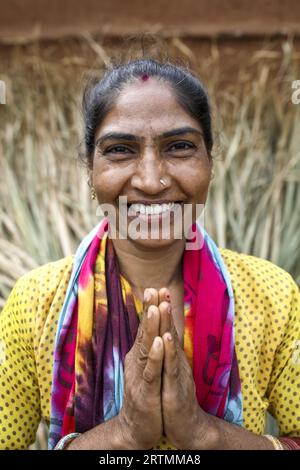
<point x="155" y="345"/>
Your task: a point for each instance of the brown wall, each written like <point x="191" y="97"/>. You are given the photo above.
<point x="22" y="20"/>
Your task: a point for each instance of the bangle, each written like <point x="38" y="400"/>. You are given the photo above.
<point x="64" y="441"/>
<point x="276" y="442"/>
<point x="291" y="443"/>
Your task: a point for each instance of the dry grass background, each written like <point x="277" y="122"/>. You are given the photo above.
<point x="254" y="202"/>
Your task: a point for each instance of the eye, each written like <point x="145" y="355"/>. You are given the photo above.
<point x="123" y="149"/>
<point x="181" y="146"/>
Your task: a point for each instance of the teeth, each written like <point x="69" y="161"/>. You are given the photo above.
<point x="153" y="209"/>
<point x="157" y="208"/>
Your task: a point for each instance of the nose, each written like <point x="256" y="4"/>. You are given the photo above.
<point x="149" y="171"/>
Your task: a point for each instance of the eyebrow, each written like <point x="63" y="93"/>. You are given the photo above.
<point x="134" y="138"/>
<point x="180" y="131"/>
<point x="117" y="136"/>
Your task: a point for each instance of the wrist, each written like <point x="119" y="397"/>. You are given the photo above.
<point x="108" y="435"/>
<point x="222" y="435"/>
<point x="207" y="435"/>
<point x="125" y="436"/>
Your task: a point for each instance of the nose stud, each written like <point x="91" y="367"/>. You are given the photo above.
<point x="162" y="182"/>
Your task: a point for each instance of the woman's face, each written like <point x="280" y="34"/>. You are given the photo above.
<point x="148" y="137"/>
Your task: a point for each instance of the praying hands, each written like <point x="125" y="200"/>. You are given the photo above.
<point x="159" y="395"/>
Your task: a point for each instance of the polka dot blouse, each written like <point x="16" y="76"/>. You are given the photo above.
<point x="267" y="338"/>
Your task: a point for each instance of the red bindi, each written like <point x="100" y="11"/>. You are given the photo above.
<point x="145" y="77"/>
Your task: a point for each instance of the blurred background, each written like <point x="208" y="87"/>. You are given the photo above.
<point x="247" y="52"/>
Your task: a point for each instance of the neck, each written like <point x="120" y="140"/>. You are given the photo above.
<point x="144" y="268"/>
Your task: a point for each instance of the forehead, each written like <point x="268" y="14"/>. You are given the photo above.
<point x="146" y="107"/>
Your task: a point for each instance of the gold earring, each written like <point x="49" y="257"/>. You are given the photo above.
<point x="93" y="193"/>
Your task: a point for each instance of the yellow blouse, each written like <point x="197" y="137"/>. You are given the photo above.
<point x="267" y="332"/>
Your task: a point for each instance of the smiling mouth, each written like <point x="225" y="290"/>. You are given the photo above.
<point x="142" y="209"/>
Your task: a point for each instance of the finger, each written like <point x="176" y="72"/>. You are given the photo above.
<point x="167" y="321"/>
<point x="153" y="369"/>
<point x="165" y="317"/>
<point x="171" y="363"/>
<point x="170" y="353"/>
<point x="164" y="299"/>
<point x="151" y="326"/>
<point x="164" y="295"/>
<point x="150" y="298"/>
<point x="149" y="320"/>
<point x="150" y="331"/>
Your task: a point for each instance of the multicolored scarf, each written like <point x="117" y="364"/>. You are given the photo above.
<point x="98" y="325"/>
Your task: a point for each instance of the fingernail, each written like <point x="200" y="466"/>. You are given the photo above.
<point x="157" y="343"/>
<point x="147" y="296"/>
<point x="169" y="336"/>
<point x="150" y="313"/>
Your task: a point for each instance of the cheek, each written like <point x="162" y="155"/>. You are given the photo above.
<point x="108" y="181"/>
<point x="194" y="180"/>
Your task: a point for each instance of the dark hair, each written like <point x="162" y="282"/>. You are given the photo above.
<point x="99" y="97"/>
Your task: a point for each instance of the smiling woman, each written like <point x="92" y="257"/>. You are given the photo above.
<point x="142" y="341"/>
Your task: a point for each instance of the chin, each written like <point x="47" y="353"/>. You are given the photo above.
<point x="154" y="243"/>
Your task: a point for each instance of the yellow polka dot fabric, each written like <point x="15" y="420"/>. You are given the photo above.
<point x="267" y="337"/>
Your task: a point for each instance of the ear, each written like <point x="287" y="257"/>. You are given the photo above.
<point x="90" y="177"/>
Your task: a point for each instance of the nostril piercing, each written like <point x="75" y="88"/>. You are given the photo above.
<point x="162" y="182"/>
